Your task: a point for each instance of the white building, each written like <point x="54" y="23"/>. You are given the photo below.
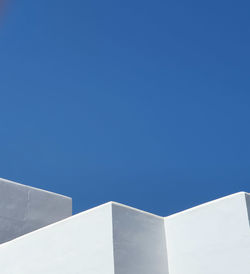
<point x="213" y="238"/>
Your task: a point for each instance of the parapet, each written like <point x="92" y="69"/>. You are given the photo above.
<point x="24" y="209"/>
<point x="117" y="239"/>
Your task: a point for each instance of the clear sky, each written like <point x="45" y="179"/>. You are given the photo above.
<point x="146" y="103"/>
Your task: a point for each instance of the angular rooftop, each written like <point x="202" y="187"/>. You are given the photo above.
<point x="117" y="239"/>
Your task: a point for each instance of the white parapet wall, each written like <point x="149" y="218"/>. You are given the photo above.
<point x="108" y="239"/>
<point x="139" y="241"/>
<point x="81" y="244"/>
<point x="248" y="205"/>
<point x="24" y="209"/>
<point x="213" y="238"/>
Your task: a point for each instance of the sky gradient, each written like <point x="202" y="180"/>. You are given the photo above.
<point x="146" y="103"/>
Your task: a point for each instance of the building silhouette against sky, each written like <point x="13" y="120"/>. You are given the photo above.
<point x="39" y="235"/>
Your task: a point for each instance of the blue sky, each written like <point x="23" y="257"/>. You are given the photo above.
<point x="141" y="102"/>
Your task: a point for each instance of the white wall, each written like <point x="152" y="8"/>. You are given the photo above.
<point x="81" y="244"/>
<point x="110" y="239"/>
<point x="213" y="238"/>
<point x="24" y="209"/>
<point x="139" y="242"/>
<point x="248" y="206"/>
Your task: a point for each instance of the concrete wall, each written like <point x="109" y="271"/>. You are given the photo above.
<point x="110" y="239"/>
<point x="24" y="209"/>
<point x="82" y="244"/>
<point x="139" y="242"/>
<point x="211" y="238"/>
<point x="248" y="206"/>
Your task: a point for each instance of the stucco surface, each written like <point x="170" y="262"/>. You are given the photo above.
<point x="117" y="239"/>
<point x="81" y="244"/>
<point x="139" y="242"/>
<point x="248" y="206"/>
<point x="24" y="209"/>
<point x="212" y="238"/>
